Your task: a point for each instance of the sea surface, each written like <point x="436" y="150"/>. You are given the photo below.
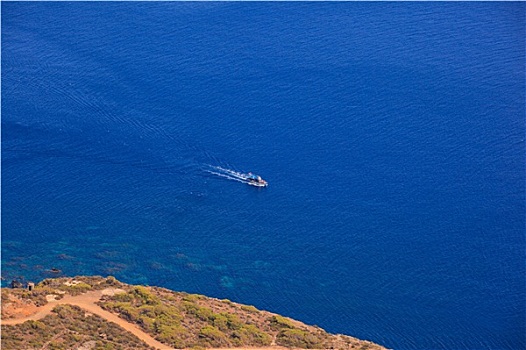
<point x="391" y="135"/>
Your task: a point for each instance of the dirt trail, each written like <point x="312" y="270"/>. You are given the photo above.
<point x="87" y="302"/>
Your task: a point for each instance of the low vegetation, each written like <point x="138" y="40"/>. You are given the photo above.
<point x="68" y="328"/>
<point x="183" y="320"/>
<point x="179" y="320"/>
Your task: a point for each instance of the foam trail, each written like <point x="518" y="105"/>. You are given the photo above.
<point x="226" y="176"/>
<point x="231" y="172"/>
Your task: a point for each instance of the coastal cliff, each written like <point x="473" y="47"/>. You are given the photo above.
<point x="102" y="313"/>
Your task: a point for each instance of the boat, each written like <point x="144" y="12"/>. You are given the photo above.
<point x="256" y="180"/>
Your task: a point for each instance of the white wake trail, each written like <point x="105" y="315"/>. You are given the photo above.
<point x="229" y="172"/>
<point x="226" y="176"/>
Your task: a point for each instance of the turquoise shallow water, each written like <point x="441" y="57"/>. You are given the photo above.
<point x="392" y="136"/>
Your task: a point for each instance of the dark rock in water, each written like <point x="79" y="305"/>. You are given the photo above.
<point x="16" y="284"/>
<point x="55" y="270"/>
<point x="64" y="257"/>
<point x="227" y="282"/>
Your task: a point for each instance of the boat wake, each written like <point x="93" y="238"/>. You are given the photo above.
<point x="246" y="178"/>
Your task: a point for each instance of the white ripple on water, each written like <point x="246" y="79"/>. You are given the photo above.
<point x="227" y="173"/>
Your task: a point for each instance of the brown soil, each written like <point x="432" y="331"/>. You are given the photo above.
<point x="18" y="308"/>
<point x="20" y="311"/>
<point x="23" y="312"/>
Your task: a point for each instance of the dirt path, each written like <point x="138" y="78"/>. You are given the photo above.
<point x="87" y="302"/>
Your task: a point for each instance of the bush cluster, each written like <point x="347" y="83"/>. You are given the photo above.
<point x="184" y="323"/>
<point x="291" y="336"/>
<point x="278" y="322"/>
<point x="180" y="320"/>
<point x="66" y="328"/>
<point x="298" y="338"/>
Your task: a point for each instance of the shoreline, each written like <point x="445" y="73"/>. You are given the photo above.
<point x="98" y="296"/>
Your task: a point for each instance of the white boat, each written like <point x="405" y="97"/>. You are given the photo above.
<point x="256" y="180"/>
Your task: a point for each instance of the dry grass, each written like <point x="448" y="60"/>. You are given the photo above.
<point x="177" y="319"/>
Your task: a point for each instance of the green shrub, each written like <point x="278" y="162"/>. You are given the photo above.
<point x="250" y="335"/>
<point x="146" y="323"/>
<point x="233" y="321"/>
<point x="124" y="297"/>
<point x="197" y="347"/>
<point x="147" y="311"/>
<point x="279" y="322"/>
<point x="77" y="289"/>
<point x="170" y="334"/>
<point x="62" y="311"/>
<point x="167" y="314"/>
<point x="192" y="298"/>
<point x="221" y="322"/>
<point x="249" y="308"/>
<point x="210" y="336"/>
<point x="143" y="296"/>
<point x="189" y="308"/>
<point x="298" y="338"/>
<point x="112" y="281"/>
<point x="203" y="313"/>
<point x="128" y="312"/>
<point x="5" y="298"/>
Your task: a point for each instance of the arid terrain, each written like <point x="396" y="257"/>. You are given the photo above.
<point x="102" y="313"/>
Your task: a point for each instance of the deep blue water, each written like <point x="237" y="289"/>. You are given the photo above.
<point x="392" y="136"/>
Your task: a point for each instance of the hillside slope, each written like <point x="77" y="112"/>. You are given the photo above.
<point x="102" y="313"/>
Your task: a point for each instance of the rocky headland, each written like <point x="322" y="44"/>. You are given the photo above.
<point x="86" y="313"/>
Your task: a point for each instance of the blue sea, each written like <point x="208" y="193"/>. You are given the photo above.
<point x="391" y="135"/>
